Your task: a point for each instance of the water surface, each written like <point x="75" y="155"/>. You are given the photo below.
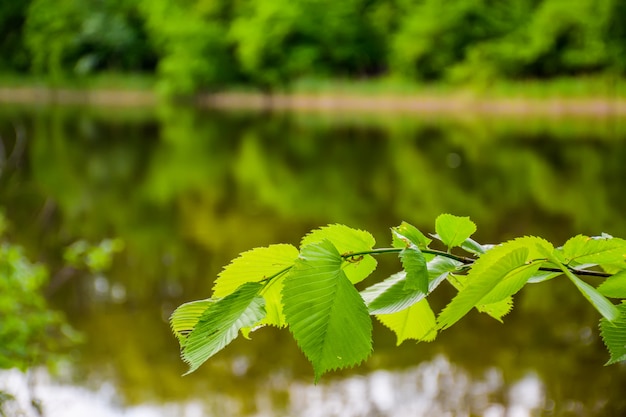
<point x="187" y="190"/>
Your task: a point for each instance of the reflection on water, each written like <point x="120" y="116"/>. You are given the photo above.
<point x="434" y="388"/>
<point x="188" y="190"/>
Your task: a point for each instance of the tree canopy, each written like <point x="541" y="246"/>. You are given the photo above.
<point x="194" y="45"/>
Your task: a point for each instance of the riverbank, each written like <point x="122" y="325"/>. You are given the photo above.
<point x="562" y="97"/>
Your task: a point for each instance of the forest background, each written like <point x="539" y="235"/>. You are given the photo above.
<point x="183" y="47"/>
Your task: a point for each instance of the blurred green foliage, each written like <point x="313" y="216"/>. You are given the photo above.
<point x="30" y="332"/>
<point x="96" y="258"/>
<point x="200" y="45"/>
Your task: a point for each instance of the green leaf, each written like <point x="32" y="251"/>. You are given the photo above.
<point x="587" y="250"/>
<point x="416" y="322"/>
<point x="390" y="295"/>
<point x="471" y="246"/>
<point x="347" y="240"/>
<point x="604" y="306"/>
<point x="541" y="276"/>
<point x="406" y="233"/>
<point x="454" y="230"/>
<point x="324" y="311"/>
<point x="416" y="272"/>
<point x="614" y="286"/>
<point x="272" y="293"/>
<point x="498" y="302"/>
<point x="254" y="266"/>
<point x="614" y="335"/>
<point x="511" y="283"/>
<point x="488" y="270"/>
<point x="185" y="317"/>
<point x="220" y="324"/>
<point x="498" y="309"/>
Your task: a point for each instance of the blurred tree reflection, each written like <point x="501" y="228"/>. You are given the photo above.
<point x="187" y="190"/>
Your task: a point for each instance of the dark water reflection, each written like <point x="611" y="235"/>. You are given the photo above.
<point x="188" y="190"/>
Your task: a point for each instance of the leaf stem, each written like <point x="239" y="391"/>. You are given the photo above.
<point x="268" y="280"/>
<point x="378" y="251"/>
<point x="468" y="261"/>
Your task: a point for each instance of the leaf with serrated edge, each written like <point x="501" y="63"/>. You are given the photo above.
<point x="390" y="296"/>
<point x="416" y="322"/>
<point x="186" y="316"/>
<point x="220" y="324"/>
<point x="600" y="303"/>
<point x="498" y="309"/>
<point x="347" y="240"/>
<point x="542" y="276"/>
<point x="254" y="266"/>
<point x="498" y="301"/>
<point x="325" y="313"/>
<point x="416" y="272"/>
<point x="486" y="273"/>
<point x="453" y="230"/>
<point x="614" y="335"/>
<point x="272" y="293"/>
<point x="586" y="250"/>
<point x="615" y="286"/>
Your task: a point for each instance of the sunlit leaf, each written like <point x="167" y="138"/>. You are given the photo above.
<point x="614" y="335"/>
<point x="407" y="233"/>
<point x="498" y="302"/>
<point x="221" y="322"/>
<point x="511" y="283"/>
<point x="390" y="295"/>
<point x="498" y="309"/>
<point x="604" y="306"/>
<point x="416" y="272"/>
<point x="324" y="311"/>
<point x="614" y="286"/>
<point x="454" y="230"/>
<point x="541" y="276"/>
<point x="185" y="317"/>
<point x="470" y="245"/>
<point x="413" y="259"/>
<point x="272" y="293"/>
<point x="486" y="273"/>
<point x="587" y="250"/>
<point x="416" y="322"/>
<point x="254" y="266"/>
<point x="347" y="240"/>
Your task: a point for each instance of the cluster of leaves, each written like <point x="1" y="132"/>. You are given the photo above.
<point x="312" y="290"/>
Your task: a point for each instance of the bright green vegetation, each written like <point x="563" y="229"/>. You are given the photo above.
<point x="202" y="45"/>
<point x="312" y="291"/>
<point x="30" y="332"/>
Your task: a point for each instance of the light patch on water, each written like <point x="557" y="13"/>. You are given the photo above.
<point x="432" y="388"/>
<point x="437" y="387"/>
<point x="38" y="390"/>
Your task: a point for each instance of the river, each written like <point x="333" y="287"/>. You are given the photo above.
<point x="188" y="189"/>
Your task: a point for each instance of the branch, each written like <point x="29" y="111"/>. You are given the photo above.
<point x="468" y="261"/>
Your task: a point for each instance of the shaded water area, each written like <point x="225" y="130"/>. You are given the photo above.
<point x="188" y="189"/>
